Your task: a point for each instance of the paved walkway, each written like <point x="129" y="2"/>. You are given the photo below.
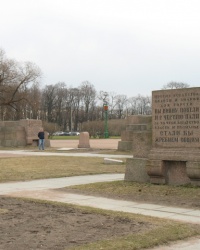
<point x="42" y="189"/>
<point x="63" y="145"/>
<point x="45" y="190"/>
<point x="44" y="153"/>
<point x="54" y="183"/>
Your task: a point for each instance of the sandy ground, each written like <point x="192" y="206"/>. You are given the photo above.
<point x="73" y="144"/>
<point x="94" y="143"/>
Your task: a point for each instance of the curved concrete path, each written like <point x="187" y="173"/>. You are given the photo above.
<point x="54" y="183"/>
<point x="42" y="189"/>
<point x="44" y="153"/>
<point x="45" y="190"/>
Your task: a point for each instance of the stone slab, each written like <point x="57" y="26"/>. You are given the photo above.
<point x="84" y="140"/>
<point x="112" y="161"/>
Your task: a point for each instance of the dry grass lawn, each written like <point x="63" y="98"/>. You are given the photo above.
<point x="29" y="168"/>
<point x="180" y="196"/>
<point x="160" y="232"/>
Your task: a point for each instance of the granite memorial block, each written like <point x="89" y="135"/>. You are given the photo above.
<point x="175" y="154"/>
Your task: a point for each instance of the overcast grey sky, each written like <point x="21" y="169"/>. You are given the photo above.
<point x="127" y="47"/>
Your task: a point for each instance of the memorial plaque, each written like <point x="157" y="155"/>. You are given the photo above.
<point x="176" y="118"/>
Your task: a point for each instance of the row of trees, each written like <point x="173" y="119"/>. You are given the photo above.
<point x="21" y="97"/>
<point x="69" y="107"/>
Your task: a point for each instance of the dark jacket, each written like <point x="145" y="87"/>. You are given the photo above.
<point x="41" y="135"/>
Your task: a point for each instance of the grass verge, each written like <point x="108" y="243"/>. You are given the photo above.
<point x="30" y="168"/>
<point x="162" y="235"/>
<point x="135" y="188"/>
<point x="180" y="196"/>
<point x="161" y="232"/>
<point x="164" y="231"/>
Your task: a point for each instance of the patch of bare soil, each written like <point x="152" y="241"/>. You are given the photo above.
<point x="30" y="225"/>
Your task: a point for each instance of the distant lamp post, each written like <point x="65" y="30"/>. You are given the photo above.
<point x="105" y="107"/>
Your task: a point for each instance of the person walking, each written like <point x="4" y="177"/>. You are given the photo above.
<point x="41" y="139"/>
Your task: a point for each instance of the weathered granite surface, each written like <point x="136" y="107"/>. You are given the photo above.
<point x="170" y="143"/>
<point x="21" y="133"/>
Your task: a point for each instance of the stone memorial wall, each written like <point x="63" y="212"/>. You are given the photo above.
<point x="21" y="133"/>
<point x="165" y="146"/>
<point x="175" y="154"/>
<point x="176" y="118"/>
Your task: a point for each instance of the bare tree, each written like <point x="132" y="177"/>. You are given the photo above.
<point x="61" y="92"/>
<point x="139" y="105"/>
<point x="74" y="99"/>
<point x="121" y="104"/>
<point x="88" y="94"/>
<point x="112" y="104"/>
<point x="103" y="97"/>
<point x="143" y="104"/>
<point x="49" y="102"/>
<point x="34" y="102"/>
<point x="14" y="79"/>
<point x="175" y="85"/>
<point x="132" y="102"/>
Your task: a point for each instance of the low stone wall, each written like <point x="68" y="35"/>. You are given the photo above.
<point x="12" y="136"/>
<point x="136" y="170"/>
<point x="138" y="139"/>
<point x="136" y="125"/>
<point x="21" y="133"/>
<point x="32" y="127"/>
